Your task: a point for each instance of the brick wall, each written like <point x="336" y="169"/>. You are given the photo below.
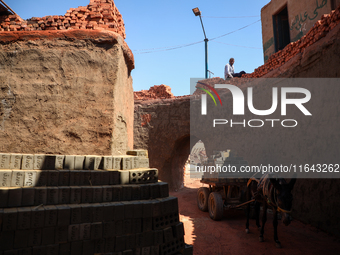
<point x="319" y="30"/>
<point x="98" y="14"/>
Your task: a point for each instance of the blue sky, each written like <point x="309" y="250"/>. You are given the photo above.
<point x="153" y="27"/>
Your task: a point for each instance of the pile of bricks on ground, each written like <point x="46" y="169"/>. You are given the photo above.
<point x="319" y="30"/>
<point x="155" y="92"/>
<point x="99" y="14"/>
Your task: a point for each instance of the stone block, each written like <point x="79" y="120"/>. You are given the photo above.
<point x="135" y="192"/>
<point x="51" y="215"/>
<point x="64" y="178"/>
<point x="69" y="162"/>
<point x="5" y="178"/>
<point x="158" y="237"/>
<point x="27" y="162"/>
<point x="96" y="230"/>
<point x="3" y="197"/>
<point x="154" y="190"/>
<point x="76" y="211"/>
<point x="163" y="189"/>
<point x="20" y="239"/>
<point x="40" y="196"/>
<point x="85" y="231"/>
<point x="48" y="236"/>
<point x="117" y="162"/>
<point x="14" y="197"/>
<point x="52" y="196"/>
<point x="119" y="211"/>
<point x="15" y="161"/>
<point x="98" y="212"/>
<point x="119" y="227"/>
<point x="136" y="225"/>
<point x="64" y="195"/>
<point x="99" y="246"/>
<point x="110" y="245"/>
<point x="147" y="209"/>
<point x="108" y="212"/>
<point x="34" y="237"/>
<point x="124" y="177"/>
<point x="128" y="209"/>
<point x="117" y="193"/>
<point x="73" y="233"/>
<point x="52" y="249"/>
<point x="86" y="213"/>
<point x="24" y="218"/>
<point x="85" y="178"/>
<point x="147" y="224"/>
<point x="86" y="194"/>
<point x="135" y="163"/>
<point x="107" y="193"/>
<point x="5" y="161"/>
<point x="114" y="177"/>
<point x="143" y="162"/>
<point x="96" y="177"/>
<point x="59" y="162"/>
<point x="27" y="196"/>
<point x="146" y="251"/>
<point x="61" y="235"/>
<point x="39" y="250"/>
<point x="92" y="162"/>
<point x="178" y="230"/>
<point x="139" y="153"/>
<point x="120" y="243"/>
<point x="79" y="162"/>
<point x="144" y="191"/>
<point x="88" y="247"/>
<point x="65" y="249"/>
<point x="31" y="178"/>
<point x="53" y="178"/>
<point x="39" y="162"/>
<point x="18" y="177"/>
<point x="126" y="193"/>
<point x="75" y="194"/>
<point x="75" y="177"/>
<point x="97" y="194"/>
<point x="6" y="240"/>
<point x="42" y="178"/>
<point x="107" y="162"/>
<point x="105" y="178"/>
<point x="142" y="175"/>
<point x="127" y="162"/>
<point x="64" y="215"/>
<point x="108" y="229"/>
<point x="127" y="226"/>
<point x="9" y="219"/>
<point x="77" y="248"/>
<point x="38" y="217"/>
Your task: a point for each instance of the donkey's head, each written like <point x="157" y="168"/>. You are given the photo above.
<point x="284" y="198"/>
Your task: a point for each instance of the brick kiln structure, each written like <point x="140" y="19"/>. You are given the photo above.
<point x="163" y="125"/>
<point x="70" y="182"/>
<point x="99" y="14"/>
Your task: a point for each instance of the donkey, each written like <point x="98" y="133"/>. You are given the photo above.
<point x="275" y="193"/>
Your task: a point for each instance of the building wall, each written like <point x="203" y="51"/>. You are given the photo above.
<point x="302" y="15"/>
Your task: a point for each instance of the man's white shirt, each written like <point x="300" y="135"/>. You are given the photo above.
<point x="228" y="71"/>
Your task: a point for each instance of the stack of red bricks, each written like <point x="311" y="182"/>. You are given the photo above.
<point x="319" y="30"/>
<point x="155" y="92"/>
<point x="99" y="14"/>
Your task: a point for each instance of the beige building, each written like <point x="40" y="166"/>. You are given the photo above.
<point x="287" y="21"/>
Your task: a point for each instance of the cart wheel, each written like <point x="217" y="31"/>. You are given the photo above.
<point x="202" y="199"/>
<point x="215" y="206"/>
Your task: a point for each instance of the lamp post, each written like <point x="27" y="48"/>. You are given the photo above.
<point x="197" y="12"/>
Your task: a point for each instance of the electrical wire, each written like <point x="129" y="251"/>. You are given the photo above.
<point x="167" y="48"/>
<point x="212" y="17"/>
<point x="257" y="48"/>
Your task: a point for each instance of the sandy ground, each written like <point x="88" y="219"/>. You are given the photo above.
<point x="228" y="235"/>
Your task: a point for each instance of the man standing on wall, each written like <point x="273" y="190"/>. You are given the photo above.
<point x="229" y="70"/>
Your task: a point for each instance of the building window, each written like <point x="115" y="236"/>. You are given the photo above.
<point x="281" y="29"/>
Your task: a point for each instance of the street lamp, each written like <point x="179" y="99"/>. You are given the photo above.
<point x="197" y="12"/>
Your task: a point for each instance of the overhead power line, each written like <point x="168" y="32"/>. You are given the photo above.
<point x="239" y="45"/>
<point x="236" y="17"/>
<point x="166" y="48"/>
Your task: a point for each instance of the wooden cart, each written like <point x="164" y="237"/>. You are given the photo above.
<point x="222" y="193"/>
